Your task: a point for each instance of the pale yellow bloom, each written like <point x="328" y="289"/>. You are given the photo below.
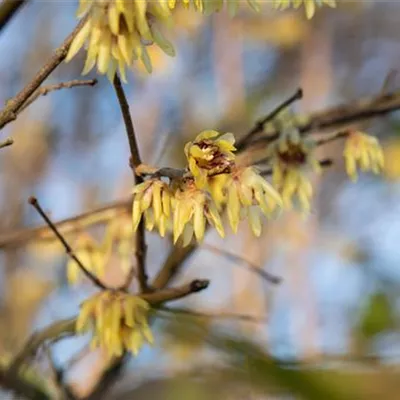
<point x="210" y="154"/>
<point x="117" y="320"/>
<point x="210" y="6"/>
<point x="153" y="198"/>
<point x="118" y="31"/>
<point x="364" y="151"/>
<point x="247" y="194"/>
<point x="292" y="158"/>
<point x="192" y="209"/>
<point x="310" y="6"/>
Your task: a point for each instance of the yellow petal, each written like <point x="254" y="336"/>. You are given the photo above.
<point x="78" y="41"/>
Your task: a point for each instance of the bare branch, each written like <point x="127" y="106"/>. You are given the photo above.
<point x="43" y="91"/>
<point x="220" y="315"/>
<point x="8" y="9"/>
<point x="341" y="116"/>
<point x="141" y="247"/>
<point x="13" y="106"/>
<point x="6" y="143"/>
<point x="34" y="202"/>
<point x="275" y="280"/>
<point x="56" y="331"/>
<point x="259" y="126"/>
<point x="66" y="226"/>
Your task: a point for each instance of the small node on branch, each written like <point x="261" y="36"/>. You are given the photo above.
<point x="199" y="284"/>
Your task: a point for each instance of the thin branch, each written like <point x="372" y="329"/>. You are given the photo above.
<point x="6" y="143"/>
<point x="166" y="295"/>
<point x="334" y="137"/>
<point x="13" y="106"/>
<point x="8" y="9"/>
<point x="34" y="202"/>
<point x="259" y="126"/>
<point x="140" y="247"/>
<point x="58" y="330"/>
<point x="154" y="172"/>
<point x="68" y="225"/>
<point x="43" y="91"/>
<point x="130" y="130"/>
<point x="221" y="315"/>
<point x="251" y="266"/>
<point x="341" y="116"/>
<point x="325" y="163"/>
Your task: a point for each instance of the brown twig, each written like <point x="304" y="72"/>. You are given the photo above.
<point x="13" y="106"/>
<point x="8" y="9"/>
<point x="221" y="315"/>
<point x="6" y="143"/>
<point x="58" y="330"/>
<point x="325" y="163"/>
<point x="275" y="280"/>
<point x="334" y="137"/>
<point x="154" y="172"/>
<point x="259" y="125"/>
<point x="43" y="91"/>
<point x="34" y="202"/>
<point x="66" y="226"/>
<point x="141" y="247"/>
<point x="341" y="116"/>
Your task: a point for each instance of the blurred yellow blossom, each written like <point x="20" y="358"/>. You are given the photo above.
<point x="246" y="189"/>
<point x="192" y="208"/>
<point x="117" y="320"/>
<point x="292" y="158"/>
<point x="117" y="32"/>
<point x="208" y="155"/>
<point x="309" y="5"/>
<point x="91" y="254"/>
<point x="153" y="198"/>
<point x="392" y="159"/>
<point x="363" y="150"/>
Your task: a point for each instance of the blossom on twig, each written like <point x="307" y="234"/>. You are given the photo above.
<point x="117" y="320"/>
<point x="365" y="151"/>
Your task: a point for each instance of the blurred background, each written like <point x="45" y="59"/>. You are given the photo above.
<point x="336" y="311"/>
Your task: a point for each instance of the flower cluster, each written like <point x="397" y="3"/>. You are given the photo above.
<point x="292" y="158"/>
<point x="117" y="320"/>
<point x="212" y="182"/>
<point x="365" y="151"/>
<point x="153" y="199"/>
<point x="310" y="6"/>
<point x="95" y="256"/>
<point x="118" y="31"/>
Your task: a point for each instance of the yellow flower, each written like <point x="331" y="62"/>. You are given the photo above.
<point x="292" y="158"/>
<point x="209" y="6"/>
<point x="91" y="254"/>
<point x="293" y="183"/>
<point x="117" y="320"/>
<point x="309" y="5"/>
<point x="208" y="156"/>
<point x="247" y="189"/>
<point x="365" y="151"/>
<point x="192" y="208"/>
<point x="153" y="198"/>
<point x="117" y="32"/>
